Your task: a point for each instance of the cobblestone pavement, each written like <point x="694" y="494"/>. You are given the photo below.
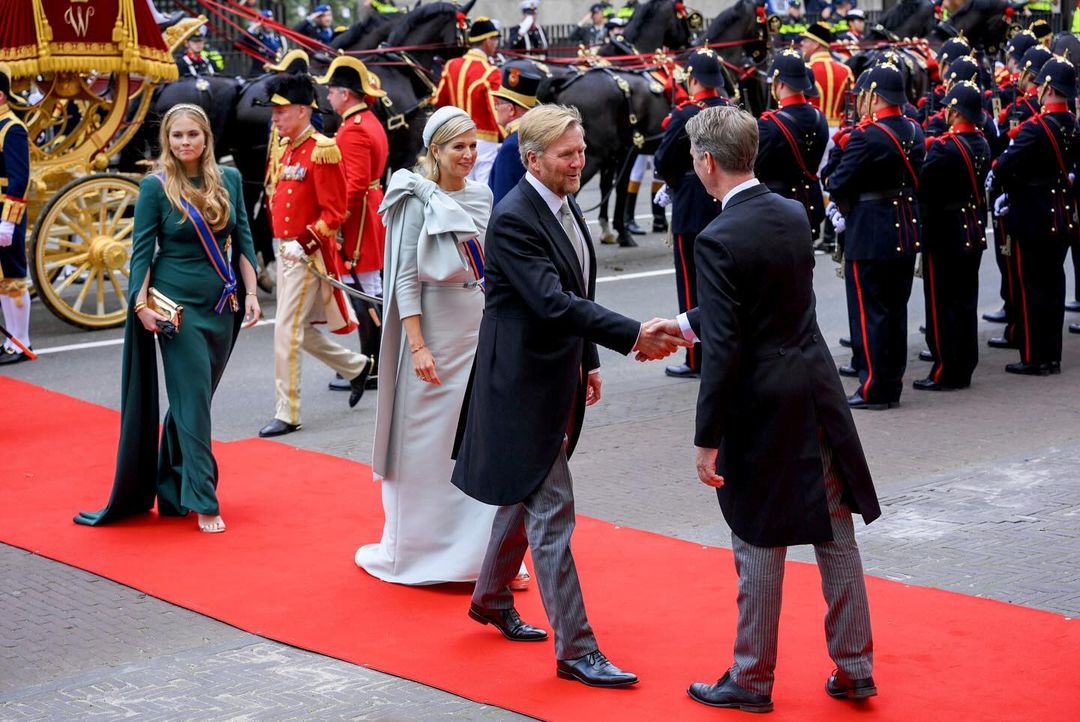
<point x="980" y="494"/>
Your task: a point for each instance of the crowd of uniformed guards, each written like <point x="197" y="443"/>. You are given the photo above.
<point x="882" y="179"/>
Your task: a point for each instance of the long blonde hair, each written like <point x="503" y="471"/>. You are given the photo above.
<point x="429" y="165"/>
<point x="212" y="199"/>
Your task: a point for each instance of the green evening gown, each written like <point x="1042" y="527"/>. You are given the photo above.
<point x="177" y="468"/>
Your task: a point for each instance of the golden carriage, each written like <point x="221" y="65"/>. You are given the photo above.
<point x="83" y="75"/>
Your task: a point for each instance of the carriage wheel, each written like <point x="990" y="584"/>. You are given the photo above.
<point x="81" y="249"/>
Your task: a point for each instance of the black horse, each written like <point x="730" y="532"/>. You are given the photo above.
<point x="741" y="33"/>
<point x="659" y="24"/>
<point x="985" y="23"/>
<point x="906" y="19"/>
<point x="432" y="33"/>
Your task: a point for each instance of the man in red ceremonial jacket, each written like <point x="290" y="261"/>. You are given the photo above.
<point x="467" y="83"/>
<point x="832" y="78"/>
<point x="364" y="150"/>
<point x="306" y="210"/>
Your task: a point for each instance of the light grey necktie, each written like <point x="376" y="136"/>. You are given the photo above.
<point x="569" y="226"/>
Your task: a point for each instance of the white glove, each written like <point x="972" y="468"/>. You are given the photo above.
<point x="989" y="181"/>
<point x="1072" y="179"/>
<point x="663" y="196"/>
<point x="291" y="251"/>
<point x="1001" y="205"/>
<point x="7" y="230"/>
<point x="833" y="213"/>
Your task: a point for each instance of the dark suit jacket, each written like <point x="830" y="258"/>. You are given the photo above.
<point x="537" y="343"/>
<point x="768" y="382"/>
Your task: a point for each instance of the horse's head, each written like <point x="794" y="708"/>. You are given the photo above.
<point x="439" y="28"/>
<point x="986" y="23"/>
<point x="745" y="23"/>
<point x="368" y="32"/>
<point x="663" y="24"/>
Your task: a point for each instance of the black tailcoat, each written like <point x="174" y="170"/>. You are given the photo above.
<point x="768" y="382"/>
<point x="537" y="344"/>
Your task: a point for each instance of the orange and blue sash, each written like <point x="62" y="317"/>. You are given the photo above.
<point x="213" y="252"/>
<point x="474" y="257"/>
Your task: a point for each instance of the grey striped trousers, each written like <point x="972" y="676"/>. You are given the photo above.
<point x="761" y="577"/>
<point x="544" y="521"/>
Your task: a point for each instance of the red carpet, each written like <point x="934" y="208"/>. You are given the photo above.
<point x="661" y="607"/>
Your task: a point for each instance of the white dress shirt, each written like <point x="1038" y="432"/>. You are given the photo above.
<point x="554" y="202"/>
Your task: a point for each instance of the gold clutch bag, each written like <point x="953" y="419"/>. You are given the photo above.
<point x="158" y="302"/>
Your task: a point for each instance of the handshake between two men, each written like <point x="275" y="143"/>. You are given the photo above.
<point x="657" y="339"/>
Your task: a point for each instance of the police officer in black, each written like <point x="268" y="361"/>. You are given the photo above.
<point x="792" y="138"/>
<point x="874" y="186"/>
<point x="692" y="207"/>
<point x="952" y="208"/>
<point x="1039" y="205"/>
<point x="1025" y="105"/>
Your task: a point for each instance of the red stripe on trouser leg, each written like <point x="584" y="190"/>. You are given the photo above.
<point x="1026" y="351"/>
<point x="865" y="388"/>
<point x="939" y="361"/>
<point x="687" y="301"/>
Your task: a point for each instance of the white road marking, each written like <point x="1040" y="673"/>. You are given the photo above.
<point x="639" y="274"/>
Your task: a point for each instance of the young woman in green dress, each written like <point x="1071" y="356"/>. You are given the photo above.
<point x="191" y="243"/>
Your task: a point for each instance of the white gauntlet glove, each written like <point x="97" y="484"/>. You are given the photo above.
<point x="291" y="251"/>
<point x="833" y="214"/>
<point x="1001" y="205"/>
<point x="989" y="181"/>
<point x="7" y="230"/>
<point x="663" y="196"/>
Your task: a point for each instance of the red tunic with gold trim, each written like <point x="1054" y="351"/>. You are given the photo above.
<point x="467" y="83"/>
<point x="364" y="151"/>
<point x="833" y="79"/>
<point x="308" y="206"/>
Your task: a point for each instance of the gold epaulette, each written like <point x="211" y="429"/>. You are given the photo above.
<point x="13" y="210"/>
<point x="326" y="150"/>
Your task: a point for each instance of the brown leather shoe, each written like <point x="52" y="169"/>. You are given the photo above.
<point x="509" y="623"/>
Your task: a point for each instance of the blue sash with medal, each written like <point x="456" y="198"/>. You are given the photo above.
<point x="213" y="252"/>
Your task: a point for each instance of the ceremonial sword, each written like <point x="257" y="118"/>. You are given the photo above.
<point x="310" y="265"/>
<point x="22" y="347"/>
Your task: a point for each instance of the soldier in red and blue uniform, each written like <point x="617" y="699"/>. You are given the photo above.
<point x="952" y="208"/>
<point x="950" y="50"/>
<point x="792" y="138"/>
<point x="1008" y="77"/>
<point x="874" y="185"/>
<point x="1024" y="106"/>
<point x="1039" y="204"/>
<point x="963" y="70"/>
<point x="14" y="179"/>
<point x="692" y="207"/>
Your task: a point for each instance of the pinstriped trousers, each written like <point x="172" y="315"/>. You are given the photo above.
<point x="544" y="521"/>
<point x="761" y="577"/>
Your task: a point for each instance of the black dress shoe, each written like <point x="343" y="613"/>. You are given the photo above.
<point x="1072" y="306"/>
<point x="682" y="371"/>
<point x="1000" y="342"/>
<point x="996" y="316"/>
<point x="1055" y="367"/>
<point x="625" y="240"/>
<point x="634" y="229"/>
<point x="1074" y="328"/>
<point x="856" y="401"/>
<point x="509" y="623"/>
<point x="841" y="686"/>
<point x="359" y="384"/>
<point x="13" y="356"/>
<point x="725" y="693"/>
<point x="339" y="383"/>
<point x="1028" y="369"/>
<point x="659" y="225"/>
<point x="595" y="670"/>
<point x="926" y="355"/>
<point x="849" y="371"/>
<point x="277" y="427"/>
<point x="931" y="385"/>
<point x="845" y="342"/>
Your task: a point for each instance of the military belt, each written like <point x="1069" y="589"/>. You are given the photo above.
<point x="885" y="195"/>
